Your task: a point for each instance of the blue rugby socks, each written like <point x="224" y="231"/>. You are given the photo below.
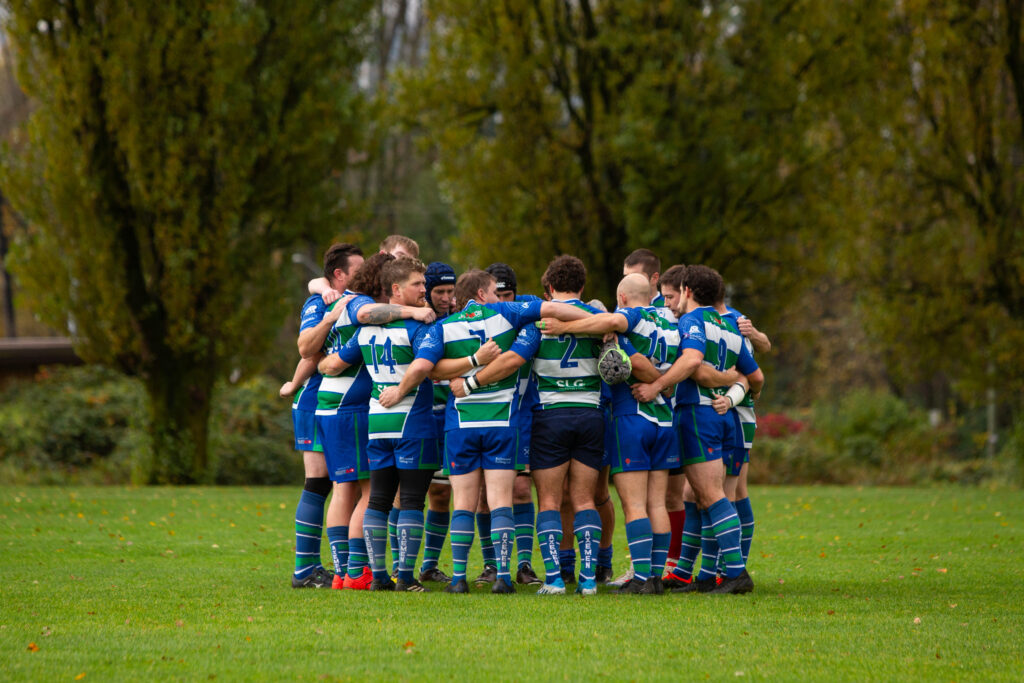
<point x="549" y="536"/>
<point x="375" y="534"/>
<point x="746" y="515"/>
<point x="586" y="526"/>
<point x="435" y="528"/>
<point x="503" y="532"/>
<point x="338" y="538"/>
<point x="462" y="540"/>
<point x="725" y="525"/>
<point x="522" y="514"/>
<point x="410" y="536"/>
<point x="690" y="543"/>
<point x="309" y="518"/>
<point x="640" y="537"/>
<point x="483" y="524"/>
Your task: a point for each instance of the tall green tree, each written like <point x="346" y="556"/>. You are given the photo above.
<point x="941" y="259"/>
<point x="175" y="149"/>
<point x="709" y="131"/>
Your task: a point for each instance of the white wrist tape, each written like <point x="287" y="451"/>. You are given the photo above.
<point x="736" y="393"/>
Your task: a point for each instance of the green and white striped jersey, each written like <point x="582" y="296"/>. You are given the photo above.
<point x="387" y="351"/>
<point x="565" y="367"/>
<point x="656" y="338"/>
<point x="349" y="390"/>
<point x="463" y="333"/>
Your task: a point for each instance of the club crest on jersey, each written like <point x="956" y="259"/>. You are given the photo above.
<point x="309" y="310"/>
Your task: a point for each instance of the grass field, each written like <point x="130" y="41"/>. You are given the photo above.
<point x="852" y="584"/>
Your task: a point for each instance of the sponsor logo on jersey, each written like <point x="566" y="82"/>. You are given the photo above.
<point x="577" y="383"/>
<point x="309" y="309"/>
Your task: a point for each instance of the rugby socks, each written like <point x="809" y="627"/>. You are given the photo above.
<point x="659" y="552"/>
<point x="410" y="537"/>
<point x="309" y="519"/>
<point x="746" y="514"/>
<point x="725" y="524"/>
<point x="375" y="533"/>
<point x="676" y="519"/>
<point x="462" y="541"/>
<point x="522" y="514"/>
<point x="549" y="536"/>
<point x="393" y="538"/>
<point x="708" y="549"/>
<point x="435" y="528"/>
<point x="503" y="532"/>
<point x="567" y="560"/>
<point x="604" y="555"/>
<point x="483" y="525"/>
<point x="586" y="525"/>
<point x="640" y="537"/>
<point x="690" y="543"/>
<point x="338" y="538"/>
<point x="356" y="556"/>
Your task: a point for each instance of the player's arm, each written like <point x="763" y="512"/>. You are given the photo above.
<point x="760" y="340"/>
<point x="684" y="366"/>
<point x="417" y="372"/>
<point x="555" y="309"/>
<point x="600" y="323"/>
<point x="332" y="365"/>
<point x="450" y="368"/>
<point x="305" y="369"/>
<point x="311" y="340"/>
<point x="382" y="314"/>
<point x="322" y="287"/>
<point x="506" y="364"/>
<point x="643" y="368"/>
<point x="708" y="376"/>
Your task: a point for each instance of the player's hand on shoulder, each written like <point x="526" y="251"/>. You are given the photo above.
<point x="721" y="404"/>
<point x="424" y="315"/>
<point x="332" y="315"/>
<point x="746" y="327"/>
<point x="488" y="352"/>
<point x="550" y="325"/>
<point x="458" y="387"/>
<point x="389" y="397"/>
<point x="330" y="296"/>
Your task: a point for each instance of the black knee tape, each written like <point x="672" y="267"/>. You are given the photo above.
<point x="321" y="486"/>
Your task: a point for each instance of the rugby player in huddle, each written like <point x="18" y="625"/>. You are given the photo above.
<point x="501" y="386"/>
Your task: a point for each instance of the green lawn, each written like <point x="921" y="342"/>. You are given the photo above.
<point x="852" y="583"/>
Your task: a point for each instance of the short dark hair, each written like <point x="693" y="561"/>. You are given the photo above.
<point x="337" y="257"/>
<point x="398" y="271"/>
<point x="673" y="277"/>
<point x="505" y="276"/>
<point x="705" y="283"/>
<point x="566" y="274"/>
<point x="469" y="283"/>
<point x="367" y="278"/>
<point x="646" y="259"/>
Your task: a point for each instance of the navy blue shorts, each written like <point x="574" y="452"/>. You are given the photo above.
<point x="469" y="449"/>
<point x="641" y="445"/>
<point x="703" y="434"/>
<point x="345" y="440"/>
<point x="563" y="434"/>
<point x="307" y="438"/>
<point x="405" y="454"/>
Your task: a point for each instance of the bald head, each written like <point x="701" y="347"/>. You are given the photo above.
<point x="634" y="290"/>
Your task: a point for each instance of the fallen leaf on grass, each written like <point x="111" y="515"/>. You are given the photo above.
<point x="831" y="611"/>
<point x="179" y="623"/>
<point x="941" y="570"/>
<point x="917" y="620"/>
<point x="32" y="647"/>
<point x="80" y="676"/>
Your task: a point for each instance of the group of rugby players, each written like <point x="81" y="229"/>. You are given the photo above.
<point x="419" y="388"/>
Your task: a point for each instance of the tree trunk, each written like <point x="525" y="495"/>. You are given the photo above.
<point x="179" y="411"/>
